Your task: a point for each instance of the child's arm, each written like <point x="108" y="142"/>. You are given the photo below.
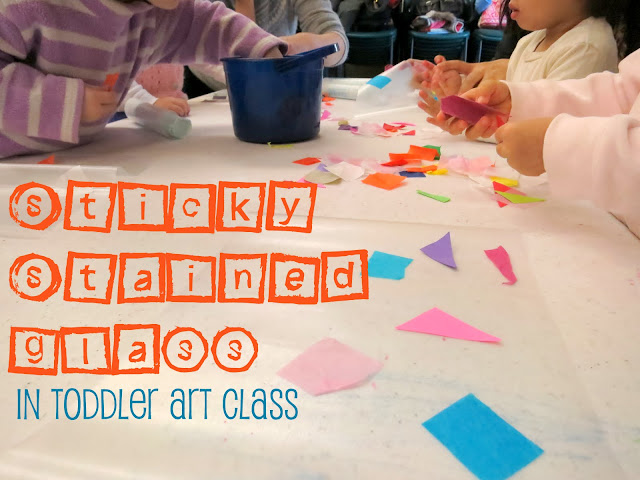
<point x="321" y="25"/>
<point x="204" y="32"/>
<point x="137" y="92"/>
<point x="34" y="105"/>
<point x="600" y="94"/>
<point x="598" y="159"/>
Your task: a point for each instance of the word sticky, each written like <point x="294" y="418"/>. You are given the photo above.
<point x="514" y="198"/>
<point x="467" y="110"/>
<point x="329" y="366"/>
<point x="307" y="161"/>
<point x="481" y="440"/>
<point x="379" y="81"/>
<point x="441" y="251"/>
<point x="437" y="322"/>
<point x="439" y="198"/>
<point x="501" y="260"/>
<point x="385" y="265"/>
<point x="386" y="181"/>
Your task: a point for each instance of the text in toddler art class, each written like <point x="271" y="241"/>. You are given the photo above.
<point x="109" y="278"/>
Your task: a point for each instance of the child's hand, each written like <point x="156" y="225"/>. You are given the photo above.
<point x="429" y="104"/>
<point x="422" y="71"/>
<point x="497" y="96"/>
<point x="522" y="144"/>
<point x="99" y="103"/>
<point x="274" y="53"/>
<point x="473" y="74"/>
<point x="177" y="105"/>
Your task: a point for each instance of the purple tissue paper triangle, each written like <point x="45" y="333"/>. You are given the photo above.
<point x="441" y="251"/>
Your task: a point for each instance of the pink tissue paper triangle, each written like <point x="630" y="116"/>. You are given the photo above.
<point x="437" y="322"/>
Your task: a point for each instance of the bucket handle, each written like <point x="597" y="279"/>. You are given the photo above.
<point x="294" y="61"/>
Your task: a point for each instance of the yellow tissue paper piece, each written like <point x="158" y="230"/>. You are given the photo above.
<point x="513" y="198"/>
<point x="505" y="181"/>
<point x="272" y="145"/>
<point x="440" y="171"/>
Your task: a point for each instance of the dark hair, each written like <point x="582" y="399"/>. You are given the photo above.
<point x="622" y="15"/>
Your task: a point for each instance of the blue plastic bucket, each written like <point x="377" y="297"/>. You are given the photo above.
<point x="270" y="105"/>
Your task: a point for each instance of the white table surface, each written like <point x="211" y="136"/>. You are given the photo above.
<point x="565" y="375"/>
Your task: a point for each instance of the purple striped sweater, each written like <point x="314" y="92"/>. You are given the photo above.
<point x="50" y="48"/>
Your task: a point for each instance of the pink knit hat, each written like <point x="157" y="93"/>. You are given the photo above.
<point x="163" y="80"/>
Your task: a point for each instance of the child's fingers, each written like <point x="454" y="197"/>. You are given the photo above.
<point x="484" y="128"/>
<point x="104" y="97"/>
<point x="457" y="126"/>
<point x="183" y="106"/>
<point x="472" y="79"/>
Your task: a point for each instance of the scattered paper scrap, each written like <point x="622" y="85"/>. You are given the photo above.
<point x="423" y="169"/>
<point x="439" y="198"/>
<point x="467" y="110"/>
<point x="439" y="171"/>
<point x="307" y="161"/>
<point x="345" y="127"/>
<point x="441" y="251"/>
<point x="326" y="114"/>
<point x="467" y="166"/>
<point x="280" y="145"/>
<point x="318" y="176"/>
<point x="48" y="161"/>
<point x="481" y="440"/>
<point x="409" y="174"/>
<point x="322" y="168"/>
<point x="437" y="322"/>
<point x="514" y="198"/>
<point x="346" y="171"/>
<point x="395" y="161"/>
<point x="302" y="180"/>
<point x="385" y="265"/>
<point x="509" y="182"/>
<point x="379" y="81"/>
<point x="327" y="99"/>
<point x="390" y="128"/>
<point x="387" y="181"/>
<point x="501" y="260"/>
<point x="433" y="147"/>
<point x="111" y="80"/>
<point x="500" y="187"/>
<point x="409" y="133"/>
<point x="329" y="366"/>
<point x="403" y="124"/>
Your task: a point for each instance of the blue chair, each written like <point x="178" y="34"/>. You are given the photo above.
<point x="426" y="46"/>
<point x="372" y="48"/>
<point x="485" y="42"/>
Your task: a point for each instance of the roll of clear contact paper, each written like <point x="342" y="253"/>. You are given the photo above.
<point x="166" y="123"/>
<point x="345" y="88"/>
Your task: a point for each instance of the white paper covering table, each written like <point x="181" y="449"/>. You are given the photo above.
<point x="565" y="374"/>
